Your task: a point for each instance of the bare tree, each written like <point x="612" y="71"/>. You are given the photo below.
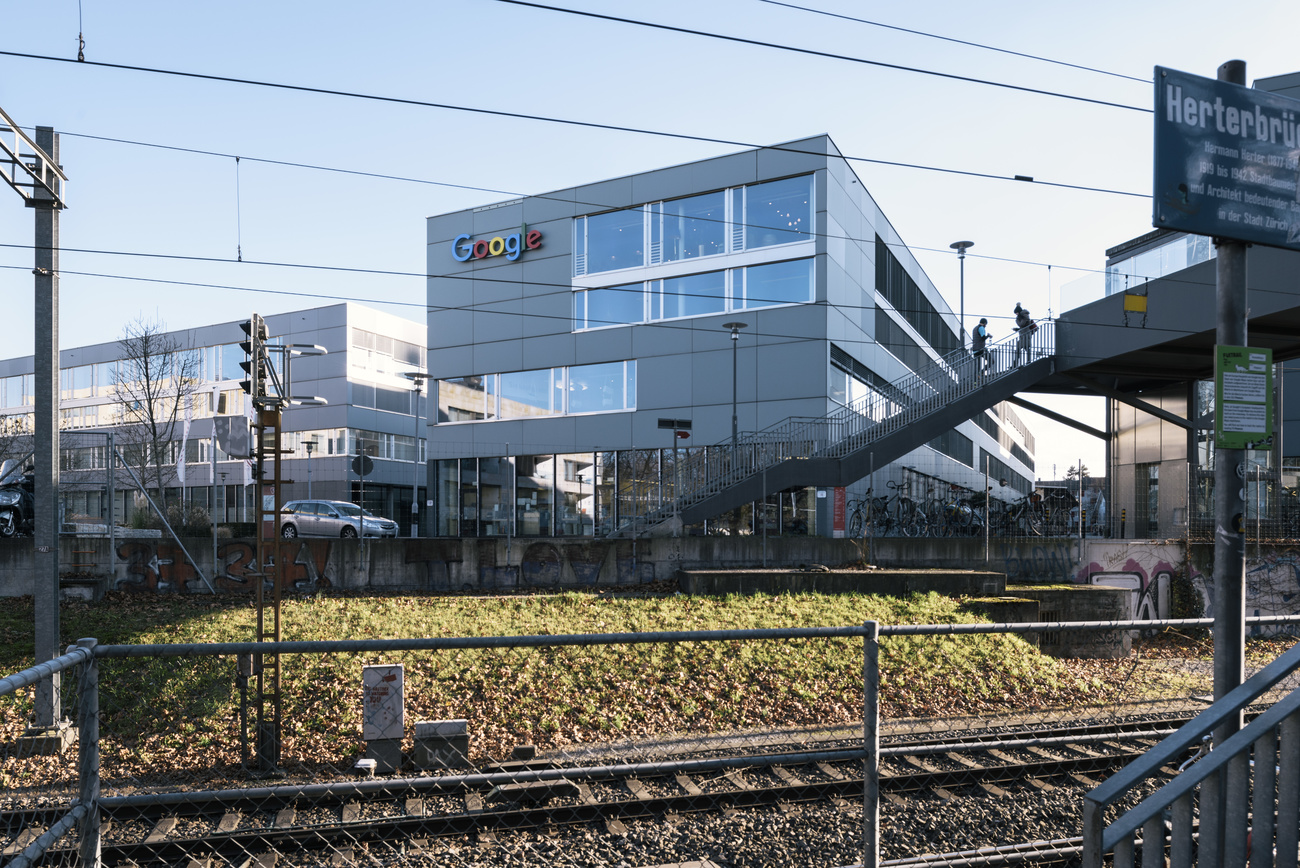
<point x="153" y="381"/>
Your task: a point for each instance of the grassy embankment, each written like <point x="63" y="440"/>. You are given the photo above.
<point x="182" y="713"/>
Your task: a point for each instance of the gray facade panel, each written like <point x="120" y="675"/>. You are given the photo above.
<point x="793" y="158"/>
<point x="497" y="220"/>
<point x="672" y="338"/>
<point x="603" y="431"/>
<point x="559" y="205"/>
<point x="606" y="196"/>
<point x="604" y="345"/>
<point x="496" y="351"/>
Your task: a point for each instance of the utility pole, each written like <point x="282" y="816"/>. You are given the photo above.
<point x="35" y="175"/>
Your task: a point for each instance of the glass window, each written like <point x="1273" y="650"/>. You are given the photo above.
<point x="689" y="228"/>
<point x="778" y="212"/>
<point x="615" y="240"/>
<point x="596" y="388"/>
<point x="526" y="393"/>
<point x="363" y="395"/>
<point x="615" y="305"/>
<point x="77" y="382"/>
<point x="575" y="496"/>
<point x="104" y="378"/>
<point x="534" y="487"/>
<point x="778" y="283"/>
<point x="231" y="356"/>
<point x="463" y="398"/>
<point x="694" y="295"/>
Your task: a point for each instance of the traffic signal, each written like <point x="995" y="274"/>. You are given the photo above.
<point x="255" y="364"/>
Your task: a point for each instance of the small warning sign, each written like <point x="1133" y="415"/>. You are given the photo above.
<point x="382" y="703"/>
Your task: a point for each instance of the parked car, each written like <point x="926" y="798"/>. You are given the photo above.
<point x="332" y="518"/>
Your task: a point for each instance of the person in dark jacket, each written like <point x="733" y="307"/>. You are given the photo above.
<point x="1025" y="328"/>
<point x="979" y="345"/>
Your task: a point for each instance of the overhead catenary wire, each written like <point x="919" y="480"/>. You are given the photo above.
<point x="874" y="161"/>
<point x="829" y="55"/>
<point x="927" y="34"/>
<point x="690" y="324"/>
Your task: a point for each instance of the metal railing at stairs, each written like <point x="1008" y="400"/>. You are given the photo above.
<point x="849" y="429"/>
<point x="1237" y="805"/>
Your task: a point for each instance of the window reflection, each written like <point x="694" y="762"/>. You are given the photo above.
<point x="691" y="227"/>
<point x="526" y="393"/>
<point x="615" y="240"/>
<point x="463" y="399"/>
<point x="593" y="388"/>
<point x="615" y="305"/>
<point x="778" y="283"/>
<point x="694" y="295"/>
<point x="778" y="212"/>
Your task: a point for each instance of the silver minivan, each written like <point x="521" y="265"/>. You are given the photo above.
<point x="332" y="518"/>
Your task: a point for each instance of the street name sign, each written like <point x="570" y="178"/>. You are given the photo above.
<point x="1227" y="160"/>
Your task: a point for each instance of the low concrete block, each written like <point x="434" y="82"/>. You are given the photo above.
<point x="46" y="741"/>
<point x="387" y="754"/>
<point x="441" y="744"/>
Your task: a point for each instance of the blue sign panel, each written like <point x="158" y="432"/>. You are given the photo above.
<point x="1227" y="160"/>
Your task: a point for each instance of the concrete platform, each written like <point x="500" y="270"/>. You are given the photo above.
<point x="886" y="582"/>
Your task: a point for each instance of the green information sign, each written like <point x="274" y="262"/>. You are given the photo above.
<point x="1243" y="397"/>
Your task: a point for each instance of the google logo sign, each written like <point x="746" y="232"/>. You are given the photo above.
<point x="463" y="249"/>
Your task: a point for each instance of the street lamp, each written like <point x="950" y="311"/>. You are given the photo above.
<point x="310" y="444"/>
<point x="417" y="381"/>
<point x="735" y="339"/>
<point x="961" y="247"/>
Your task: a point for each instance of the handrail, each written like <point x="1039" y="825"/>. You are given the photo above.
<point x="1100" y="838"/>
<point x="848" y="428"/>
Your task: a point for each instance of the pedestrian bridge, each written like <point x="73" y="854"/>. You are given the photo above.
<point x="1097" y="349"/>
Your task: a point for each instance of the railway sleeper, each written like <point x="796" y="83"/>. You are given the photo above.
<point x="534" y="792"/>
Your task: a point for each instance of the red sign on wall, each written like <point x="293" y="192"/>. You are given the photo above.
<point x="837" y="513"/>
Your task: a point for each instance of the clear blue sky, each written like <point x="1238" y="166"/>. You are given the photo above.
<point x="489" y="56"/>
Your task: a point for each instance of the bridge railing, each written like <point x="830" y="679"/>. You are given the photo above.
<point x="853" y="426"/>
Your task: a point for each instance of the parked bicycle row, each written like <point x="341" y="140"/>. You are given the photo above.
<point x="964" y="513"/>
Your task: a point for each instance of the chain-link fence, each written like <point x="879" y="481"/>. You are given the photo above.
<point x="813" y="746"/>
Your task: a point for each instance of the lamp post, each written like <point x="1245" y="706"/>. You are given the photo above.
<point x="735" y="339"/>
<point x="581" y="526"/>
<point x="310" y="444"/>
<point x="417" y="381"/>
<point x="961" y="247"/>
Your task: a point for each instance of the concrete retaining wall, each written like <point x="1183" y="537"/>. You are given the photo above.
<point x="893" y="583"/>
<point x="160" y="565"/>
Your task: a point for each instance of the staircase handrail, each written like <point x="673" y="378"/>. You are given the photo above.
<point x="845" y="429"/>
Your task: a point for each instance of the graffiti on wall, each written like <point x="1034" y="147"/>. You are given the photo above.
<point x="161" y="566"/>
<point x="1273" y="582"/>
<point x="1145" y="569"/>
<point x="1046" y="561"/>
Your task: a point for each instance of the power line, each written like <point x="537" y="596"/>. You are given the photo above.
<point x="592" y="124"/>
<point x="956" y="41"/>
<point x="382" y="176"/>
<point x="830" y="55"/>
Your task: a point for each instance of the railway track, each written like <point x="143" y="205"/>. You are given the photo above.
<point x="333" y="821"/>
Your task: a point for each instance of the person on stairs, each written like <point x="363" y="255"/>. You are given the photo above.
<point x="979" y="346"/>
<point x="1025" y="328"/>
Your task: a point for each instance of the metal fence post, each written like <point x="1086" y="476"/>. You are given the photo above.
<point x="88" y="755"/>
<point x="871" y="745"/>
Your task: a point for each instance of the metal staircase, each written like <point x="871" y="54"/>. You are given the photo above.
<point x="843" y="447"/>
